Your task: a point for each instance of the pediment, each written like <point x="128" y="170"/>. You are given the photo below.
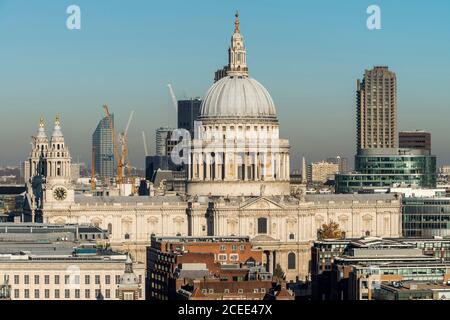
<point x="262" y="203"/>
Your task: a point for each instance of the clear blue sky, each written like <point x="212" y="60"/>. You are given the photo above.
<point x="308" y="54"/>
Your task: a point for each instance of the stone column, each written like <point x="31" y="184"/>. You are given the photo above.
<point x="208" y="166"/>
<point x="255" y="178"/>
<point x="271" y="261"/>
<point x="202" y="164"/>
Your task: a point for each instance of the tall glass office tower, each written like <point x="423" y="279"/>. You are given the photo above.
<point x="103" y="148"/>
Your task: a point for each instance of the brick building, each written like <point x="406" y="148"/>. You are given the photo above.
<point x="206" y="268"/>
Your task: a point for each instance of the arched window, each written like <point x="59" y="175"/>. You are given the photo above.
<point x="127" y="236"/>
<point x="109" y="228"/>
<point x="262" y="225"/>
<point x="291" y="236"/>
<point x="178" y="234"/>
<point x="291" y="261"/>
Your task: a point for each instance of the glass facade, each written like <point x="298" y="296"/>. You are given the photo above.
<point x="384" y="171"/>
<point x="426" y="217"/>
<point x="103" y="147"/>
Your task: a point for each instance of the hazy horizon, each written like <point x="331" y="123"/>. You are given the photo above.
<point x="308" y="55"/>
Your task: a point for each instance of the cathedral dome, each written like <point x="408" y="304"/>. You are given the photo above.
<point x="237" y="96"/>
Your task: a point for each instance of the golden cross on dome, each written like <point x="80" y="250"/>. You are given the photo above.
<point x="236" y="22"/>
<point x="41" y="122"/>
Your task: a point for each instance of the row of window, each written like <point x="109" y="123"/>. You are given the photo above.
<point x="240" y="291"/>
<point x="57" y="294"/>
<point x="68" y="279"/>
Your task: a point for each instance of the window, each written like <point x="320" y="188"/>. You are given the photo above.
<point x="77" y="293"/>
<point x="16" y="279"/>
<point x="233" y="247"/>
<point x="242" y="247"/>
<point x="291" y="261"/>
<point x="16" y="293"/>
<point x="36" y="293"/>
<point x="263" y="290"/>
<point x="118" y="279"/>
<point x="97" y="293"/>
<point x="291" y="236"/>
<point x="97" y="279"/>
<point x="128" y="296"/>
<point x="67" y="294"/>
<point x="87" y="279"/>
<point x="47" y="294"/>
<point x="226" y="291"/>
<point x="27" y="279"/>
<point x="262" y="225"/>
<point x="66" y="279"/>
<point x="222" y="247"/>
<point x="47" y="279"/>
<point x="234" y="257"/>
<point x="211" y="290"/>
<point x="87" y="294"/>
<point x="107" y="279"/>
<point x="107" y="293"/>
<point x="27" y="294"/>
<point x="117" y="294"/>
<point x="240" y="291"/>
<point x="56" y="279"/>
<point x="222" y="257"/>
<point x="57" y="294"/>
<point x="256" y="290"/>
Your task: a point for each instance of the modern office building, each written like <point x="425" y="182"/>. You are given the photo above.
<point x="385" y="168"/>
<point x="103" y="149"/>
<point x="426" y="217"/>
<point x="342" y="163"/>
<point x="379" y="162"/>
<point x="412" y="290"/>
<point x="373" y="253"/>
<point x="188" y="112"/>
<point x="377" y="109"/>
<point x="162" y="137"/>
<point x="415" y="140"/>
<point x="320" y="172"/>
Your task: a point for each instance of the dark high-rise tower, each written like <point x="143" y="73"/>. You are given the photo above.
<point x="377" y="109"/>
<point x="188" y="111"/>
<point x="103" y="147"/>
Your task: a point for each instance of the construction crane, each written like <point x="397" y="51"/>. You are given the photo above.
<point x="172" y="95"/>
<point x="124" y="146"/>
<point x="116" y="147"/>
<point x="145" y="143"/>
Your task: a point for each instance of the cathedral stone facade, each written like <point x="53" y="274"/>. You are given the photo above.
<point x="238" y="185"/>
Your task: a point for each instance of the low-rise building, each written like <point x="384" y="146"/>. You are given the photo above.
<point x="58" y="271"/>
<point x="205" y="268"/>
<point x="332" y="260"/>
<point x="411" y="290"/>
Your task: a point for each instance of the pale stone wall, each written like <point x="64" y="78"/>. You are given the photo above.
<point x="291" y="225"/>
<point x="17" y="270"/>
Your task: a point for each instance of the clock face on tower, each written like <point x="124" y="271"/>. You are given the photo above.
<point x="60" y="194"/>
